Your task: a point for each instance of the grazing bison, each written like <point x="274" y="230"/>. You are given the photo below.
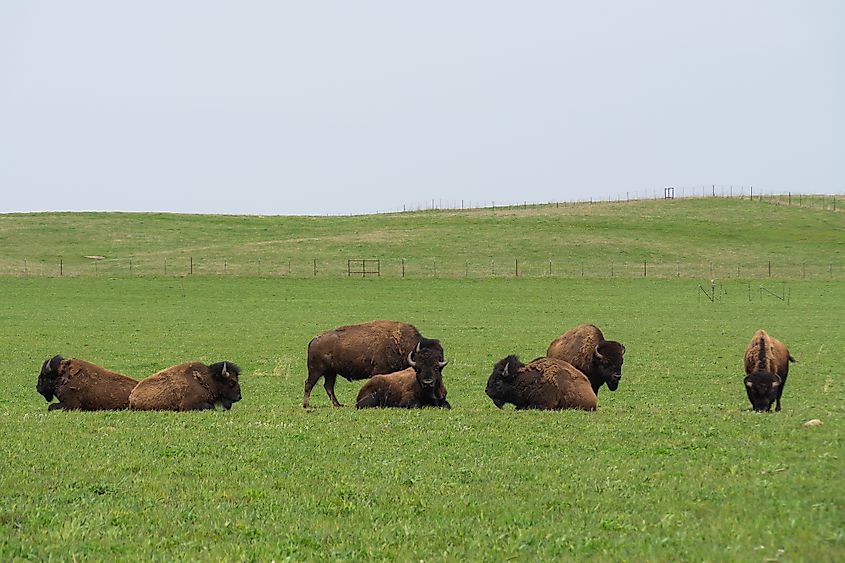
<point x="766" y="367"/>
<point x="82" y="385"/>
<point x="420" y="385"/>
<point x="585" y="348"/>
<point x="191" y="386"/>
<point x="545" y="383"/>
<point x="358" y="352"/>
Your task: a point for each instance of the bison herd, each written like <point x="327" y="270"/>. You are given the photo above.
<point x="402" y="369"/>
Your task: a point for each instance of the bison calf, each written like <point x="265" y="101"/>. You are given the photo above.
<point x="191" y="386"/>
<point x="82" y="385"/>
<point x="766" y="367"/>
<point x="585" y="348"/>
<point x="420" y="385"/>
<point x="545" y="383"/>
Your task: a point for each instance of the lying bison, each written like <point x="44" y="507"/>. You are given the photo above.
<point x="358" y="352"/>
<point x="81" y="385"/>
<point x="766" y="367"/>
<point x="545" y="383"/>
<point x="585" y="348"/>
<point x="420" y="385"/>
<point x="191" y="386"/>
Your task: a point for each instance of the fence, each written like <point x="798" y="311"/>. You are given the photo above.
<point x="429" y="268"/>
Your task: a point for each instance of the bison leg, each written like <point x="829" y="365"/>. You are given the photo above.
<point x="369" y="400"/>
<point x="55" y="407"/>
<point x="329" y="385"/>
<point x="313" y="378"/>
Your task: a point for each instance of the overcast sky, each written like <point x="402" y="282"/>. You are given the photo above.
<point x="283" y="107"/>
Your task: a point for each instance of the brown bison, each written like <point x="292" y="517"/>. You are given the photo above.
<point x="545" y="383"/>
<point x="766" y="367"/>
<point x="358" y="352"/>
<point x="78" y="384"/>
<point x="420" y="385"/>
<point x="585" y="348"/>
<point x="191" y="386"/>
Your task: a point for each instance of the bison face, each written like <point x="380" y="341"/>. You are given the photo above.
<point x="762" y="389"/>
<point x="46" y="385"/>
<point x="428" y="364"/>
<point x="607" y="362"/>
<point x="228" y="388"/>
<point x="500" y="382"/>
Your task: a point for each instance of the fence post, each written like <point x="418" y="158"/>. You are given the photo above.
<point x="517" y="267"/>
<point x="225" y="266"/>
<point x="192" y="266"/>
<point x="435" y="267"/>
<point x="165" y="266"/>
<point x="24" y="267"/>
<point x="770" y="268"/>
<point x="130" y="266"/>
<point x="752" y="194"/>
<point x="289" y="269"/>
<point x="315" y="267"/>
<point x="550" y="268"/>
<point x="645" y="268"/>
<point x="259" y="267"/>
<point x="403" y="268"/>
<point x="61" y="268"/>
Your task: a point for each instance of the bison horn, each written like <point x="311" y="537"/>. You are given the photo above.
<point x="225" y="371"/>
<point x="442" y="365"/>
<point x="623" y="349"/>
<point x="411" y="362"/>
<point x="598" y="355"/>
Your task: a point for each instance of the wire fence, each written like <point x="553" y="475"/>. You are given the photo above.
<point x="430" y="268"/>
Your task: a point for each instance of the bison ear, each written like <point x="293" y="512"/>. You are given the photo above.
<point x="748" y="384"/>
<point x="53" y="365"/>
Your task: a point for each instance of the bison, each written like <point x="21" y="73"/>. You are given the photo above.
<point x="545" y="383"/>
<point x="191" y="386"/>
<point x="585" y="348"/>
<point x="78" y="384"/>
<point x="766" y="367"/>
<point x="420" y="385"/>
<point x="358" y="352"/>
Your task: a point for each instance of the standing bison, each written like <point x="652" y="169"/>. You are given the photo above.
<point x="585" y="348"/>
<point x="191" y="386"/>
<point x="766" y="367"/>
<point x="358" y="352"/>
<point x="82" y="385"/>
<point x="545" y="383"/>
<point x="420" y="385"/>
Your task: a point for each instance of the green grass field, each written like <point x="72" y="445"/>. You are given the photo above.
<point x="672" y="465"/>
<point x="697" y="238"/>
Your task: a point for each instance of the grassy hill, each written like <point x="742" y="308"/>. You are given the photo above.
<point x="716" y="237"/>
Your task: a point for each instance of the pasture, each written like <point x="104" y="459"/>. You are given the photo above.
<point x="672" y="466"/>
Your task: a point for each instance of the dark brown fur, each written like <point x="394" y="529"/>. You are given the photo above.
<point x="358" y="352"/>
<point x="766" y="368"/>
<point x="400" y="389"/>
<point x="191" y="386"/>
<point x="78" y="384"/>
<point x="579" y="347"/>
<point x="545" y="383"/>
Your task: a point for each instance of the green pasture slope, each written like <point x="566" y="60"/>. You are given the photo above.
<point x="698" y="238"/>
<point x="672" y="466"/>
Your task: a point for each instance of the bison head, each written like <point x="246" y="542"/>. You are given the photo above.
<point x="762" y="388"/>
<point x="607" y="362"/>
<point x="226" y="376"/>
<point x="427" y="361"/>
<point x="46" y="385"/>
<point x="500" y="382"/>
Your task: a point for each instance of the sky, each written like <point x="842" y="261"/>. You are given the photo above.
<point x="341" y="107"/>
